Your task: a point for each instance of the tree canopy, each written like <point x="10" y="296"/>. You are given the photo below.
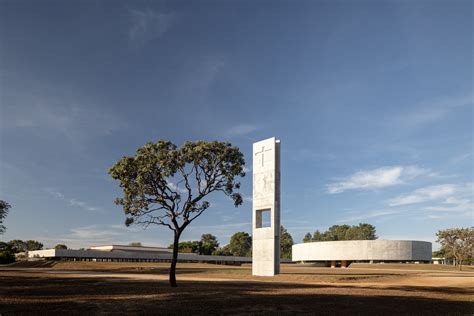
<point x="18" y="245"/>
<point x="60" y="246"/>
<point x="457" y="243"/>
<point x="363" y="231"/>
<point x="240" y="244"/>
<point x="206" y="246"/>
<point x="307" y="237"/>
<point x="7" y="255"/>
<point x="169" y="186"/>
<point x="4" y="208"/>
<point x="286" y="243"/>
<point x="135" y="244"/>
<point x="32" y="245"/>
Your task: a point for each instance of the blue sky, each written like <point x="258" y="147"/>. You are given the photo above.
<point x="373" y="103"/>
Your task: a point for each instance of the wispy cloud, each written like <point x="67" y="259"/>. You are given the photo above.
<point x="451" y="193"/>
<point x="429" y="112"/>
<point x="368" y="215"/>
<point x="174" y="187"/>
<point x="199" y="78"/>
<point x="99" y="232"/>
<point x="64" y="117"/>
<point x="73" y="202"/>
<point x="96" y="234"/>
<point x="147" y="25"/>
<point x="247" y="170"/>
<point x="241" y="129"/>
<point x="247" y="198"/>
<point x="461" y="158"/>
<point x="376" y="178"/>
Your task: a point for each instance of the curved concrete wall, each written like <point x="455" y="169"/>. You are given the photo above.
<point x="363" y="250"/>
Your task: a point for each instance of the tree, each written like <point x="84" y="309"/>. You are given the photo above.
<point x="337" y="232"/>
<point x="17" y="246"/>
<point x="222" y="251"/>
<point x="187" y="246"/>
<point x="307" y="237"/>
<point x="240" y="244"/>
<point x="317" y="236"/>
<point x="362" y="231"/>
<point x="60" y="246"/>
<point x="286" y="243"/>
<point x="32" y="245"/>
<point x="7" y="255"/>
<point x="135" y="244"/>
<point x="167" y="186"/>
<point x="208" y="244"/>
<point x="4" y="208"/>
<point x="457" y="242"/>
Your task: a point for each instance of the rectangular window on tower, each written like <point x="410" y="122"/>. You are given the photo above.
<point x="263" y="218"/>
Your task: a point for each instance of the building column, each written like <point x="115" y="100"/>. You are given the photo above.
<point x="333" y="264"/>
<point x="344" y="264"/>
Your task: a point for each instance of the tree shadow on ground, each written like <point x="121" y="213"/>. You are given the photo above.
<point x="40" y="295"/>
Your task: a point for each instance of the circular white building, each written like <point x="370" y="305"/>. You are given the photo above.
<point x="362" y="251"/>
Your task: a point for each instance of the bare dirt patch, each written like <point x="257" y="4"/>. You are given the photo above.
<point x="102" y="288"/>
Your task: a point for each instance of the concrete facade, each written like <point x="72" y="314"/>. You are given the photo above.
<point x="94" y="255"/>
<point x="266" y="208"/>
<point x="363" y="250"/>
<point x="134" y="256"/>
<point x="130" y="248"/>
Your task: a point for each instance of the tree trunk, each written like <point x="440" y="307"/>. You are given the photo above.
<point x="174" y="260"/>
<point x="460" y="265"/>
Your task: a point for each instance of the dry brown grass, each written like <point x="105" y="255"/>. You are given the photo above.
<point x="141" y="288"/>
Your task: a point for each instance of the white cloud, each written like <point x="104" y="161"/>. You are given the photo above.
<point x="97" y="234"/>
<point x="450" y="192"/>
<point x="174" y="187"/>
<point x="247" y="198"/>
<point x="247" y="170"/>
<point x="368" y="215"/>
<point x="73" y="202"/>
<point x="200" y="77"/>
<point x="429" y="112"/>
<point x="241" y="129"/>
<point x="147" y="25"/>
<point x="65" y="117"/>
<point x="377" y="178"/>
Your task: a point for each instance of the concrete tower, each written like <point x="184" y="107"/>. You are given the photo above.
<point x="266" y="208"/>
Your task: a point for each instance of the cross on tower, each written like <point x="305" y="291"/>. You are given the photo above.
<point x="263" y="153"/>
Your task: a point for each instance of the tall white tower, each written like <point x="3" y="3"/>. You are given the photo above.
<point x="266" y="208"/>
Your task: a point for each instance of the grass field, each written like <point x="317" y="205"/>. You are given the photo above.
<point x="142" y="288"/>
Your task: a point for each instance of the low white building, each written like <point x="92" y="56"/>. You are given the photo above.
<point x="344" y="252"/>
<point x="131" y="248"/>
<point x="125" y="253"/>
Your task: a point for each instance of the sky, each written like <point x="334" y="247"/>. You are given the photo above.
<point x="372" y="101"/>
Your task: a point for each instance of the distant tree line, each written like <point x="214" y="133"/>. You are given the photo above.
<point x="12" y="247"/>
<point x="206" y="246"/>
<point x="363" y="231"/>
<point x="240" y="245"/>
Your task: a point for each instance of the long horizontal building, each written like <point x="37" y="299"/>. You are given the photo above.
<point x="125" y="253"/>
<point x="344" y="252"/>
